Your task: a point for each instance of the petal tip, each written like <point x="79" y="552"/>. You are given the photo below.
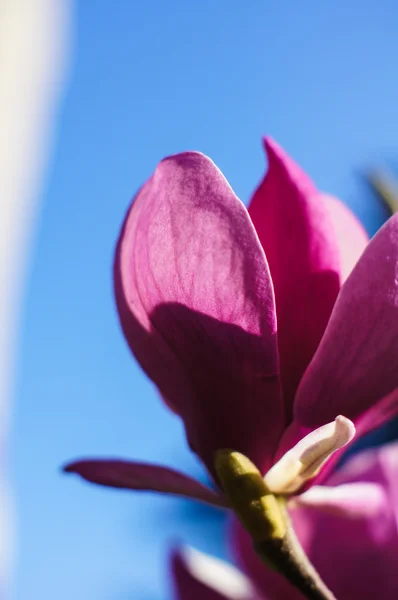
<point x="345" y="429"/>
<point x="187" y="160"/>
<point x="272" y="148"/>
<point x="281" y="164"/>
<point x="69" y="467"/>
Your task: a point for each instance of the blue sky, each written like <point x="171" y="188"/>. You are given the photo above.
<point x="150" y="79"/>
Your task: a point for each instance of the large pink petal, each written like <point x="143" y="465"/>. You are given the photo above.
<point x="196" y="305"/>
<point x="370" y="546"/>
<point x="377" y="465"/>
<point x="307" y="255"/>
<point x="129" y="475"/>
<point x="356" y="363"/>
<point x="356" y="557"/>
<point x="200" y="577"/>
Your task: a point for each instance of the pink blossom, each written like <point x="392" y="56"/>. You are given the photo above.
<point x="352" y="541"/>
<point x="272" y="332"/>
<point x="241" y="319"/>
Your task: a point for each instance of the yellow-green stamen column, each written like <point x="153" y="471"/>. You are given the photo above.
<point x="265" y="518"/>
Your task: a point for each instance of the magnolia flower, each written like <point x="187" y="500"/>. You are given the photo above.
<point x="350" y="535"/>
<point x="241" y="319"/>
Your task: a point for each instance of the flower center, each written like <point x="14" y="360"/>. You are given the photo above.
<point x="260" y="503"/>
<point x="253" y="496"/>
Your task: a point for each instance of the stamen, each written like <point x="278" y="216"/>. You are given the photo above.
<point x="248" y="495"/>
<point x="306" y="458"/>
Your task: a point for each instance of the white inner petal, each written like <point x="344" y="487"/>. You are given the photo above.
<point x="307" y="457"/>
<point x="351" y="500"/>
<point x="217" y="575"/>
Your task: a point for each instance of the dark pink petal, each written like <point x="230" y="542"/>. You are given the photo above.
<point x="306" y="258"/>
<point x="200" y="577"/>
<point x="356" y="363"/>
<point x="196" y="305"/>
<point x="383" y="411"/>
<point x="141" y="476"/>
<point x="356" y="557"/>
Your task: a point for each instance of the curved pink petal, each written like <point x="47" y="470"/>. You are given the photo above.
<point x="356" y="363"/>
<point x="142" y="476"/>
<point x="196" y="305"/>
<point x="356" y="557"/>
<point x="200" y="577"/>
<point x="308" y="258"/>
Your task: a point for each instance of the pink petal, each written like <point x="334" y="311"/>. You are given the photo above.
<point x="356" y="363"/>
<point x="196" y="305"/>
<point x="201" y="577"/>
<point x="141" y="476"/>
<point x="351" y="237"/>
<point x="379" y="465"/>
<point x="356" y="557"/>
<point x="383" y="411"/>
<point x="356" y="565"/>
<point x="348" y="500"/>
<point x="296" y="229"/>
<point x="389" y="464"/>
